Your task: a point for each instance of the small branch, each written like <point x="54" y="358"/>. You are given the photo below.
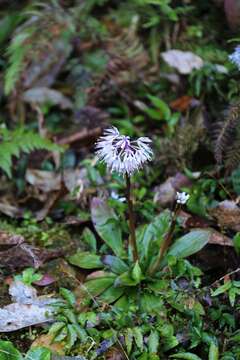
<point x="223" y="277"/>
<point x="132" y="238"/>
<point x="82" y="135"/>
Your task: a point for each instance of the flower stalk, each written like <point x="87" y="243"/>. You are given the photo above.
<point x="166" y="242"/>
<point x="181" y="199"/>
<point x="132" y="237"/>
<point x="124" y="156"/>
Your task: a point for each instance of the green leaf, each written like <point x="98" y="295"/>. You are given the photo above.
<point x="89" y="316"/>
<point x="115" y="264"/>
<point x="56" y="327"/>
<point x="81" y="333"/>
<point x="89" y="238"/>
<point x="62" y="334"/>
<point x="170" y="343"/>
<point x="38" y="353"/>
<point x="213" y="352"/>
<point x="8" y="351"/>
<point x="190" y="243"/>
<point x="163" y="108"/>
<point x="125" y="279"/>
<point x="111" y="294"/>
<point x="153" y="341"/>
<point x="186" y="356"/>
<point x="107" y="225"/>
<point x="86" y="260"/>
<point x="151" y="303"/>
<point x="97" y="286"/>
<point x="236" y="242"/>
<point x="70" y="315"/>
<point x="72" y="336"/>
<point x="222" y="289"/>
<point x="129" y="340"/>
<point x="232" y="295"/>
<point x="138" y="336"/>
<point x="137" y="273"/>
<point x="68" y="296"/>
<point x="154" y="235"/>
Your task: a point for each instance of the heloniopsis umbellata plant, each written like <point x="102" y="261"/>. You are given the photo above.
<point x="131" y="272"/>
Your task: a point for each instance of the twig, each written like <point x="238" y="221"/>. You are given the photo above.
<point x="223" y="277"/>
<point x="80" y="136"/>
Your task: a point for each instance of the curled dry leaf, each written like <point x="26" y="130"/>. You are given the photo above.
<point x="227" y="214"/>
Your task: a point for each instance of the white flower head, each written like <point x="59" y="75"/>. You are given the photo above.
<point x="182" y="198"/>
<point x="235" y="57"/>
<point x="121" y="154"/>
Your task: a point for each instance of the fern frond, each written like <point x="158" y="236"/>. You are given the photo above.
<point x="19" y="140"/>
<point x="15" y="52"/>
<point x="227" y="133"/>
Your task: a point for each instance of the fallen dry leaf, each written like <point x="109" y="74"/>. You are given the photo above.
<point x="189" y="221"/>
<point x="45" y="181"/>
<point x="184" y="61"/>
<point x="183" y="103"/>
<point x="10" y="210"/>
<point x="45" y="280"/>
<point x="46" y="340"/>
<point x="115" y="354"/>
<point x="24" y="255"/>
<point x="227" y="214"/>
<point x="43" y="95"/>
<point x="27" y="309"/>
<point x="165" y="193"/>
<point x="10" y="239"/>
<point x="232" y="10"/>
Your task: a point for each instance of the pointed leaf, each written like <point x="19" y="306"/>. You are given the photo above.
<point x="89" y="238"/>
<point x="85" y="260"/>
<point x="38" y="353"/>
<point x="222" y="289"/>
<point x="125" y="279"/>
<point x="137" y="273"/>
<point x="213" y="352"/>
<point x="8" y="351"/>
<point x="115" y="264"/>
<point x="186" y="356"/>
<point x="111" y="294"/>
<point x="153" y="341"/>
<point x="97" y="286"/>
<point x="68" y="296"/>
<point x="107" y="225"/>
<point x="190" y="243"/>
<point x="138" y="336"/>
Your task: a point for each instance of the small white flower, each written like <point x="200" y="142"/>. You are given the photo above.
<point x="115" y="196"/>
<point x="235" y="57"/>
<point x="121" y="154"/>
<point x="182" y="197"/>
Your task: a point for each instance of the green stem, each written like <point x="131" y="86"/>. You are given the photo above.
<point x="166" y="242"/>
<point x="132" y="238"/>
